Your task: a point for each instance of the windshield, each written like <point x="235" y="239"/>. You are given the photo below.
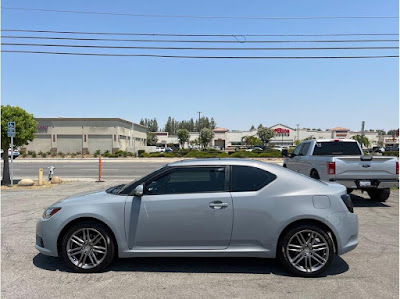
<point x="336" y="148"/>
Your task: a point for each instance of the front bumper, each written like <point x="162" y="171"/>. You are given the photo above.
<point x="46" y="236"/>
<point x="375" y="183"/>
<point x="346" y="230"/>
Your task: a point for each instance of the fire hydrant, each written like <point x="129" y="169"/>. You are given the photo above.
<point x="51" y="172"/>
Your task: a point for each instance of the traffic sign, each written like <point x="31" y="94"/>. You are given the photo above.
<point x="11" y="126"/>
<point x="10" y="134"/>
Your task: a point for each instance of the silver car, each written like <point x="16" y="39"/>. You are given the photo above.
<point x="204" y="208"/>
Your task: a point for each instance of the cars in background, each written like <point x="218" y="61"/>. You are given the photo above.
<point x="14" y="153"/>
<point x="160" y="149"/>
<point x="277" y="213"/>
<point x="280" y="148"/>
<point x="168" y="149"/>
<point x="254" y="148"/>
<point x="343" y="161"/>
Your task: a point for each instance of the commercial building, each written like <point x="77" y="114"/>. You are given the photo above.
<point x="87" y="135"/>
<point x="284" y="136"/>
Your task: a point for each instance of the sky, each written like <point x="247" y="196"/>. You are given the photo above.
<point x="237" y="93"/>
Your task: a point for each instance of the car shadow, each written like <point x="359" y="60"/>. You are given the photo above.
<point x="366" y="202"/>
<point x="192" y="265"/>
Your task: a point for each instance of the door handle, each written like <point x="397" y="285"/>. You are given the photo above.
<point x="218" y="205"/>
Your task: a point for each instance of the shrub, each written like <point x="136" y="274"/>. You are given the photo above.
<point x="95" y="155"/>
<point x="30" y="153"/>
<point x="277" y="154"/>
<point x="44" y="155"/>
<point x="24" y="155"/>
<point x="140" y="152"/>
<point x="53" y="155"/>
<point x="62" y="155"/>
<point x="97" y="152"/>
<point x="144" y="155"/>
<point x="48" y="153"/>
<point x="244" y="154"/>
<point x="391" y="153"/>
<point x="73" y="155"/>
<point x="33" y="154"/>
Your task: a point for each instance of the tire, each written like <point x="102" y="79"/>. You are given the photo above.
<point x="314" y="174"/>
<point x="89" y="255"/>
<point x="284" y="166"/>
<point x="349" y="190"/>
<point x="380" y="195"/>
<point x="304" y="259"/>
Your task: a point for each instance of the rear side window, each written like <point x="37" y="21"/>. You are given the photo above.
<point x="336" y="148"/>
<point x="246" y="178"/>
<point x="297" y="150"/>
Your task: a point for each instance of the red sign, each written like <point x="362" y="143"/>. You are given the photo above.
<point x="281" y="131"/>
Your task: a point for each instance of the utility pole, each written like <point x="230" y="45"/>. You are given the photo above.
<point x="297" y="131"/>
<point x="362" y="133"/>
<point x="199" y="120"/>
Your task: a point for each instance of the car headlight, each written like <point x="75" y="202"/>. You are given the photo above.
<point x="50" y="212"/>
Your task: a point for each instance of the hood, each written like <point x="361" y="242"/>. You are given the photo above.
<point x="82" y="197"/>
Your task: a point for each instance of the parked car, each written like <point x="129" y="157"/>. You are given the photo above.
<point x="186" y="209"/>
<point x="168" y="149"/>
<point x="254" y="148"/>
<point x="160" y="149"/>
<point x="343" y="162"/>
<point x="15" y="153"/>
<point x="218" y="148"/>
<point x="378" y="149"/>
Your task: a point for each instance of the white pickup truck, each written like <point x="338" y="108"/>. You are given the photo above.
<point x="342" y="161"/>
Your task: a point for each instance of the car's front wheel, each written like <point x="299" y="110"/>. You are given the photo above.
<point x="88" y="247"/>
<point x="306" y="250"/>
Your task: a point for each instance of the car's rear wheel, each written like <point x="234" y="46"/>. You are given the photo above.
<point x="306" y="250"/>
<point x="380" y="195"/>
<point x="88" y="247"/>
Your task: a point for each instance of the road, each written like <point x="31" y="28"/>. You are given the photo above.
<point x="77" y="169"/>
<point x="86" y="169"/>
<point x="370" y="271"/>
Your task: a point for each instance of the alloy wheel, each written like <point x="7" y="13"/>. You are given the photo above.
<point x="307" y="251"/>
<point x="86" y="248"/>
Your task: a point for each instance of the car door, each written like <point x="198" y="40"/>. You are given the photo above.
<point x="293" y="160"/>
<point x="184" y="208"/>
<point x="303" y="164"/>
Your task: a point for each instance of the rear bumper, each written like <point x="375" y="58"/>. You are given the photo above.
<point x="375" y="183"/>
<point x="346" y="230"/>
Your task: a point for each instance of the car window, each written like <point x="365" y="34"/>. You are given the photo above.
<point x="247" y="178"/>
<point x="337" y="148"/>
<point x="188" y="180"/>
<point x="305" y="148"/>
<point x="297" y="150"/>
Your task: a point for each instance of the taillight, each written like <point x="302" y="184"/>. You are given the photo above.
<point x="331" y="167"/>
<point x="397" y="167"/>
<point x="347" y="201"/>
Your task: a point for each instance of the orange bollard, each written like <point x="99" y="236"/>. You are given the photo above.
<point x="99" y="180"/>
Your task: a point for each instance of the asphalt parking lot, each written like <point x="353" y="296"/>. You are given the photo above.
<point x="370" y="271"/>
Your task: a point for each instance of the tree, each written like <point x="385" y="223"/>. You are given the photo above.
<point x="213" y="124"/>
<point x="362" y="141"/>
<point x="252" y="128"/>
<point x="260" y="126"/>
<point x="183" y="136"/>
<point x="25" y="127"/>
<point x="381" y="132"/>
<point x="265" y="134"/>
<point x="151" y="138"/>
<point x="206" y="135"/>
<point x="392" y="132"/>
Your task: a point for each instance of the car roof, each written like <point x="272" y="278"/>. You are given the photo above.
<point x="220" y="161"/>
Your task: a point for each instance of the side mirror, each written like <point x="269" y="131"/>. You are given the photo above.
<point x="284" y="153"/>
<point x="138" y="190"/>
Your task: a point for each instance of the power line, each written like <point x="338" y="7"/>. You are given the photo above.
<point x="195" y="35"/>
<point x="201" y="41"/>
<point x="196" y="48"/>
<point x="203" y="57"/>
<point x="197" y="17"/>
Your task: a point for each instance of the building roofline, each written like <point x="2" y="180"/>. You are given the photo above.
<point x="280" y="124"/>
<point x="89" y="118"/>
